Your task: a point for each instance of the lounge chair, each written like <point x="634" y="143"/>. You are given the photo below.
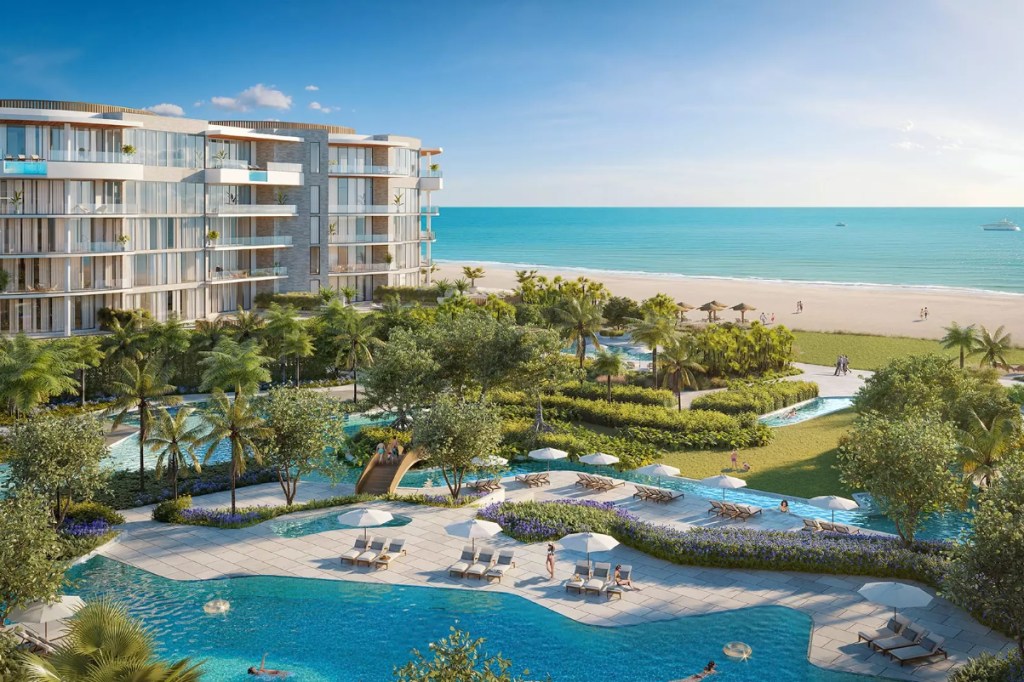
<point x="930" y="646"/>
<point x="892" y="628"/>
<point x="486" y="485"/>
<point x="845" y="530"/>
<point x="533" y="480"/>
<point x="811" y="526"/>
<point x="482" y="565"/>
<point x="746" y="511"/>
<point x="583" y="480"/>
<point x="717" y="508"/>
<point x="608" y="483"/>
<point x="642" y="492"/>
<point x="582" y="572"/>
<point x="506" y="560"/>
<point x="664" y="495"/>
<point x="911" y="635"/>
<point x="599" y="579"/>
<point x="375" y="549"/>
<point x="351" y="555"/>
<point x="625" y="573"/>
<point x="827" y="526"/>
<point x="393" y="551"/>
<point x="730" y="511"/>
<point x="467" y="559"/>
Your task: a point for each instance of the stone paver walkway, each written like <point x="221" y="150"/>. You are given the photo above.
<point x="668" y="590"/>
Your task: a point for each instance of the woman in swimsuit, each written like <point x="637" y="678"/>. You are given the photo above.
<point x="266" y="672"/>
<point x="550" y="561"/>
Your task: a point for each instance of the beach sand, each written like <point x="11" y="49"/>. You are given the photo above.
<point x="887" y="310"/>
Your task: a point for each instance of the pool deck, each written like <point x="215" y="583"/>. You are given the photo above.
<point x="667" y="590"/>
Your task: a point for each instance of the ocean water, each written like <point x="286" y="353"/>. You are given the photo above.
<point x="935" y="247"/>
<point x="336" y="631"/>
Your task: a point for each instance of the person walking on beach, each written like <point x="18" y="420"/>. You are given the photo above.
<point x="773" y="318"/>
<point x="926" y="313"/>
<point x="799" y="306"/>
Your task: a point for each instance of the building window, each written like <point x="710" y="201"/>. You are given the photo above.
<point x="314" y="260"/>
<point x="314" y="286"/>
<point x="314" y="199"/>
<point x="314" y="229"/>
<point x="314" y="157"/>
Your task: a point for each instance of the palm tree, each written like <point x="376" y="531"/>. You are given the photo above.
<point x="140" y="386"/>
<point x="208" y="333"/>
<point x="348" y="294"/>
<point x="237" y="422"/>
<point x="355" y="346"/>
<point x="246" y="325"/>
<point x="984" y="446"/>
<point x="85" y="353"/>
<point x="127" y="340"/>
<point x="32" y="372"/>
<point x="993" y="346"/>
<point x="461" y="285"/>
<point x="297" y="344"/>
<point x="580" y="320"/>
<point x="653" y="331"/>
<point x="282" y="321"/>
<point x="234" y="365"/>
<point x="175" y="441"/>
<point x="472" y="274"/>
<point x="610" y="365"/>
<point x="964" y="339"/>
<point x="678" y="366"/>
<point x="171" y="338"/>
<point x="104" y="644"/>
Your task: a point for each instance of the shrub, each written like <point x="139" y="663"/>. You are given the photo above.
<point x="620" y="394"/>
<point x="990" y="668"/>
<point x="879" y="556"/>
<point x="364" y="442"/>
<point x="85" y="512"/>
<point x="759" y="398"/>
<point x="122" y="490"/>
<point x="519" y="437"/>
<point x="299" y="299"/>
<point x="170" y="511"/>
<point x="407" y="294"/>
<point x="107" y="316"/>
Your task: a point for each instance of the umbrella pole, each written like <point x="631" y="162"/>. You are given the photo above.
<point x="833" y="516"/>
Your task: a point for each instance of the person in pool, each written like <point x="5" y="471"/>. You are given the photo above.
<point x="263" y="671"/>
<point x="784" y="506"/>
<point x="709" y="669"/>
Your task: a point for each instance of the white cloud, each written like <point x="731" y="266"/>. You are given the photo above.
<point x="316" y="106"/>
<point x="166" y="109"/>
<point x="908" y="145"/>
<point x="908" y="126"/>
<point x="258" y="96"/>
<point x="312" y="88"/>
<point x="197" y="103"/>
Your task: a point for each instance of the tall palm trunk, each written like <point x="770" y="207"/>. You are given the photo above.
<point x="961" y="357"/>
<point x="355" y="380"/>
<point x="654" y="364"/>
<point x="81" y="385"/>
<point x="143" y="430"/>
<point x="297" y="361"/>
<point x="234" y="475"/>
<point x="609" y="387"/>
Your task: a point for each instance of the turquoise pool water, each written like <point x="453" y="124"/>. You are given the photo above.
<point x="816" y="408"/>
<point x="326" y="522"/>
<point x="335" y="631"/>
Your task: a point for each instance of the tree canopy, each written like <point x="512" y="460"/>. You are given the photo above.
<point x="28" y="569"/>
<point x="452" y="433"/>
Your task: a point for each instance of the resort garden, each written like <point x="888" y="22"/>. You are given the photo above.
<point x="456" y="377"/>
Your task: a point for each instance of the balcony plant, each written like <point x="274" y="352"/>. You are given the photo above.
<point x="397" y="201"/>
<point x="435" y="167"/>
<point x="388" y="258"/>
<point x="16" y="200"/>
<point x="128" y="150"/>
<point x="212" y="236"/>
<point x="218" y="158"/>
<point x="123" y="239"/>
<point x="281" y="197"/>
<point x="332" y="228"/>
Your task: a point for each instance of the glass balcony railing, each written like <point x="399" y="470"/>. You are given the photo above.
<point x="94" y="156"/>
<point x="373" y="209"/>
<point x="100" y="284"/>
<point x="427" y="173"/>
<point x="36" y="288"/>
<point x="241" y="164"/>
<point x="363" y="267"/>
<point x="104" y="209"/>
<point x="248" y="273"/>
<point x="99" y="247"/>
<point x="24" y="167"/>
<point x="428" y="235"/>
<point x="274" y="240"/>
<point x="366" y="169"/>
<point x="254" y="209"/>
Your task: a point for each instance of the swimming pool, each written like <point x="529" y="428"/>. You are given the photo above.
<point x="336" y="631"/>
<point x="324" y="523"/>
<point x="815" y="408"/>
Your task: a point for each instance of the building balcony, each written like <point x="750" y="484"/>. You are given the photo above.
<point x="367" y="170"/>
<point x="101" y="285"/>
<point x="268" y="242"/>
<point x="15" y="288"/>
<point x="103" y="209"/>
<point x="428" y="236"/>
<point x="430" y="183"/>
<point x="100" y="247"/>
<point x="374" y="209"/>
<point x="283" y="174"/>
<point x="254" y="210"/>
<point x="222" y="276"/>
<point x="34" y="167"/>
<point x="342" y="268"/>
<point x="359" y="238"/>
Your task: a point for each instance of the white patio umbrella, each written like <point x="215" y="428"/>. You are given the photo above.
<point x="599" y="459"/>
<point x="547" y="455"/>
<point x="41" y="613"/>
<point x="833" y="502"/>
<point x="473" y="529"/>
<point x="896" y="595"/>
<point x="489" y="461"/>
<point x="658" y="470"/>
<point x="724" y="482"/>
<point x="589" y="542"/>
<point x="364" y="518"/>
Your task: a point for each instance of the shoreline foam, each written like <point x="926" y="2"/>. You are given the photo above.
<point x="885" y="309"/>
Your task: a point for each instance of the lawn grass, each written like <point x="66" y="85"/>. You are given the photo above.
<point x="799" y="461"/>
<point x="870" y="352"/>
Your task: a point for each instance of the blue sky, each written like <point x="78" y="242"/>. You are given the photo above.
<point x="675" y="103"/>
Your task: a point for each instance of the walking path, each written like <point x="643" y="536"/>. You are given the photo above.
<point x="669" y="590"/>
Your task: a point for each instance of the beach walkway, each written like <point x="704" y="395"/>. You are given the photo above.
<point x="668" y="590"/>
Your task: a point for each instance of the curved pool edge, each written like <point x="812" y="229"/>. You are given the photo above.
<point x="812" y="628"/>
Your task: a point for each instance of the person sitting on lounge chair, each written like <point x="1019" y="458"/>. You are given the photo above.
<point x="621" y="580"/>
<point x="746" y="466"/>
<point x="267" y="672"/>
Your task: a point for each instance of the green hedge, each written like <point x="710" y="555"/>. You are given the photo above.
<point x="407" y="294"/>
<point x="697" y="428"/>
<point x="519" y="438"/>
<point x="760" y="398"/>
<point x="620" y="394"/>
<point x="85" y="512"/>
<point x="300" y="299"/>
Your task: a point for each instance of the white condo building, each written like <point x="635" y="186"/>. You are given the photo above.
<point x="110" y="207"/>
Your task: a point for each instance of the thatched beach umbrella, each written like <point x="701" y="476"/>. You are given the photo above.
<point x="712" y="307"/>
<point x="744" y="309"/>
<point x="682" y="309"/>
